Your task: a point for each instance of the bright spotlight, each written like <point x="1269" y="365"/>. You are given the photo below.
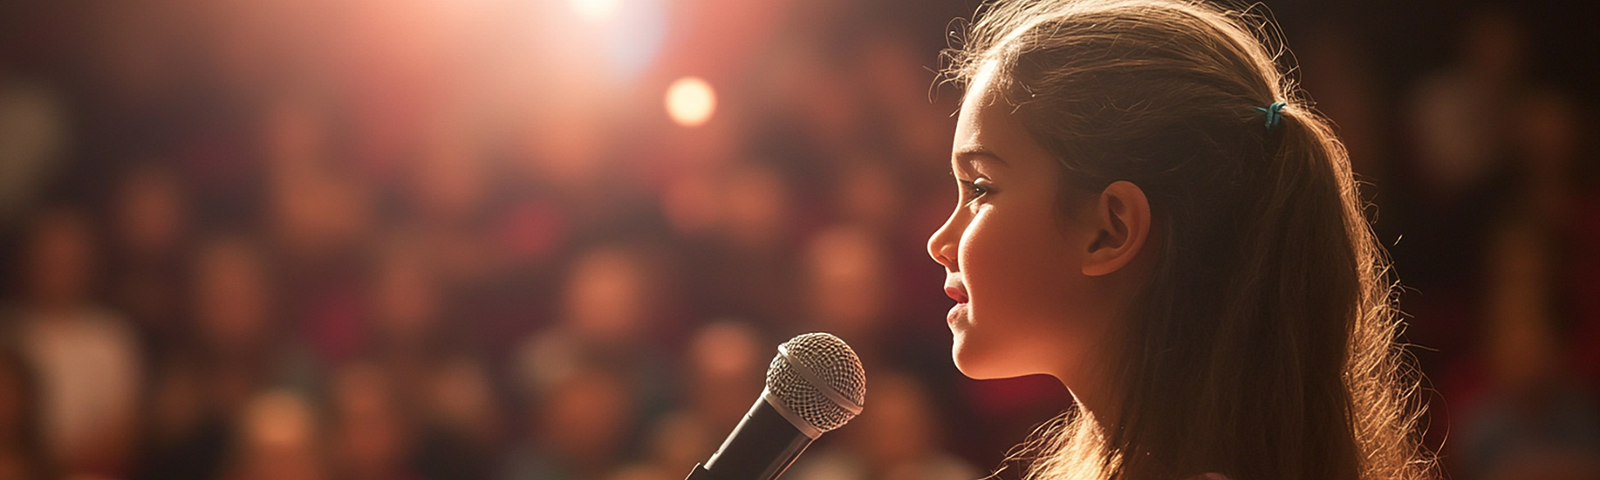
<point x="594" y="10"/>
<point x="691" y="101"/>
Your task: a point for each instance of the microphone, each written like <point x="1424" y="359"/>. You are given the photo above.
<point x="815" y="384"/>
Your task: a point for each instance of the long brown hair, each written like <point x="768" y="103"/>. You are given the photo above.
<point x="1264" y="345"/>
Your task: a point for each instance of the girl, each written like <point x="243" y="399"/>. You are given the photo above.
<point x="1151" y="213"/>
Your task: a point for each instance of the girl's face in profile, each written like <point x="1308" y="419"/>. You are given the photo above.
<point x="1012" y="256"/>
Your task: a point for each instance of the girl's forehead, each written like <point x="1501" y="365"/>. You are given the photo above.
<point x="986" y="117"/>
<point x="980" y="94"/>
<point x="981" y="87"/>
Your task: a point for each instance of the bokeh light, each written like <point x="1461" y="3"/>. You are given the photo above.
<point x="691" y="101"/>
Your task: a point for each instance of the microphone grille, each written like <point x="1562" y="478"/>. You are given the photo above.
<point x="836" y="387"/>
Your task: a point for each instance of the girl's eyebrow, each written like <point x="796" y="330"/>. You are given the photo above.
<point x="973" y="154"/>
<point x="975" y="159"/>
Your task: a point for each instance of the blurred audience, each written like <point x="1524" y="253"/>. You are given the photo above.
<point x="34" y="143"/>
<point x="202" y="385"/>
<point x="897" y="440"/>
<point x="847" y="287"/>
<point x="88" y="361"/>
<point x="279" y="438"/>
<point x="727" y="362"/>
<point x="23" y="453"/>
<point x="369" y="436"/>
<point x="439" y="383"/>
<point x="577" y="428"/>
<point x="1531" y="419"/>
<point x="1462" y="114"/>
<point x="150" y="222"/>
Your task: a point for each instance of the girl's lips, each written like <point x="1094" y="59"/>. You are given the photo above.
<point x="956" y="294"/>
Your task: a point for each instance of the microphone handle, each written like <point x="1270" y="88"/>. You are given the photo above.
<point x="763" y="445"/>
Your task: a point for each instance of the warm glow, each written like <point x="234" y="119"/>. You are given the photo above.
<point x="594" y="9"/>
<point x="691" y="101"/>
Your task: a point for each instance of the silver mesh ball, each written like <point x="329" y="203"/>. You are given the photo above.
<point x="834" y="364"/>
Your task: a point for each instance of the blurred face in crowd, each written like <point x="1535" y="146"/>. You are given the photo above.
<point x="279" y="440"/>
<point x="585" y="419"/>
<point x="901" y="427"/>
<point x="449" y="181"/>
<point x="232" y="295"/>
<point x="1014" y="260"/>
<point x="847" y="282"/>
<point x="757" y="206"/>
<point x="726" y="362"/>
<point x="60" y="259"/>
<point x="407" y="296"/>
<point x="607" y="295"/>
<point x="370" y="440"/>
<point x="149" y="216"/>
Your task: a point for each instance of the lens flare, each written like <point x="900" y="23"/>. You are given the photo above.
<point x="691" y="101"/>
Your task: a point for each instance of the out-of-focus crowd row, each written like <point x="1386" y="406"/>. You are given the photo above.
<point x="246" y="242"/>
<point x="421" y="240"/>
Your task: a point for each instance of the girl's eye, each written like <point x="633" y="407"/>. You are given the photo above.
<point x="973" y="190"/>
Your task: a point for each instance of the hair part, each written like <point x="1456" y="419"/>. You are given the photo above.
<point x="1264" y="345"/>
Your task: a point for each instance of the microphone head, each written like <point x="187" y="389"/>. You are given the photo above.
<point x="818" y="378"/>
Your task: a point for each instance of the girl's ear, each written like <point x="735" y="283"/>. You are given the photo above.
<point x="1121" y="223"/>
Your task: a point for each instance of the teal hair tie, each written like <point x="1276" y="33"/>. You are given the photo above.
<point x="1274" y="113"/>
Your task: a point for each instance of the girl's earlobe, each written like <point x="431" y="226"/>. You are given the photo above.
<point x="1121" y="223"/>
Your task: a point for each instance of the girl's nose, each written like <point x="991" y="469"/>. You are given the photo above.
<point x="942" y="245"/>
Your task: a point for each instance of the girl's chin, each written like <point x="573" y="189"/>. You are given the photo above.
<point x="981" y="360"/>
<point x="974" y="362"/>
